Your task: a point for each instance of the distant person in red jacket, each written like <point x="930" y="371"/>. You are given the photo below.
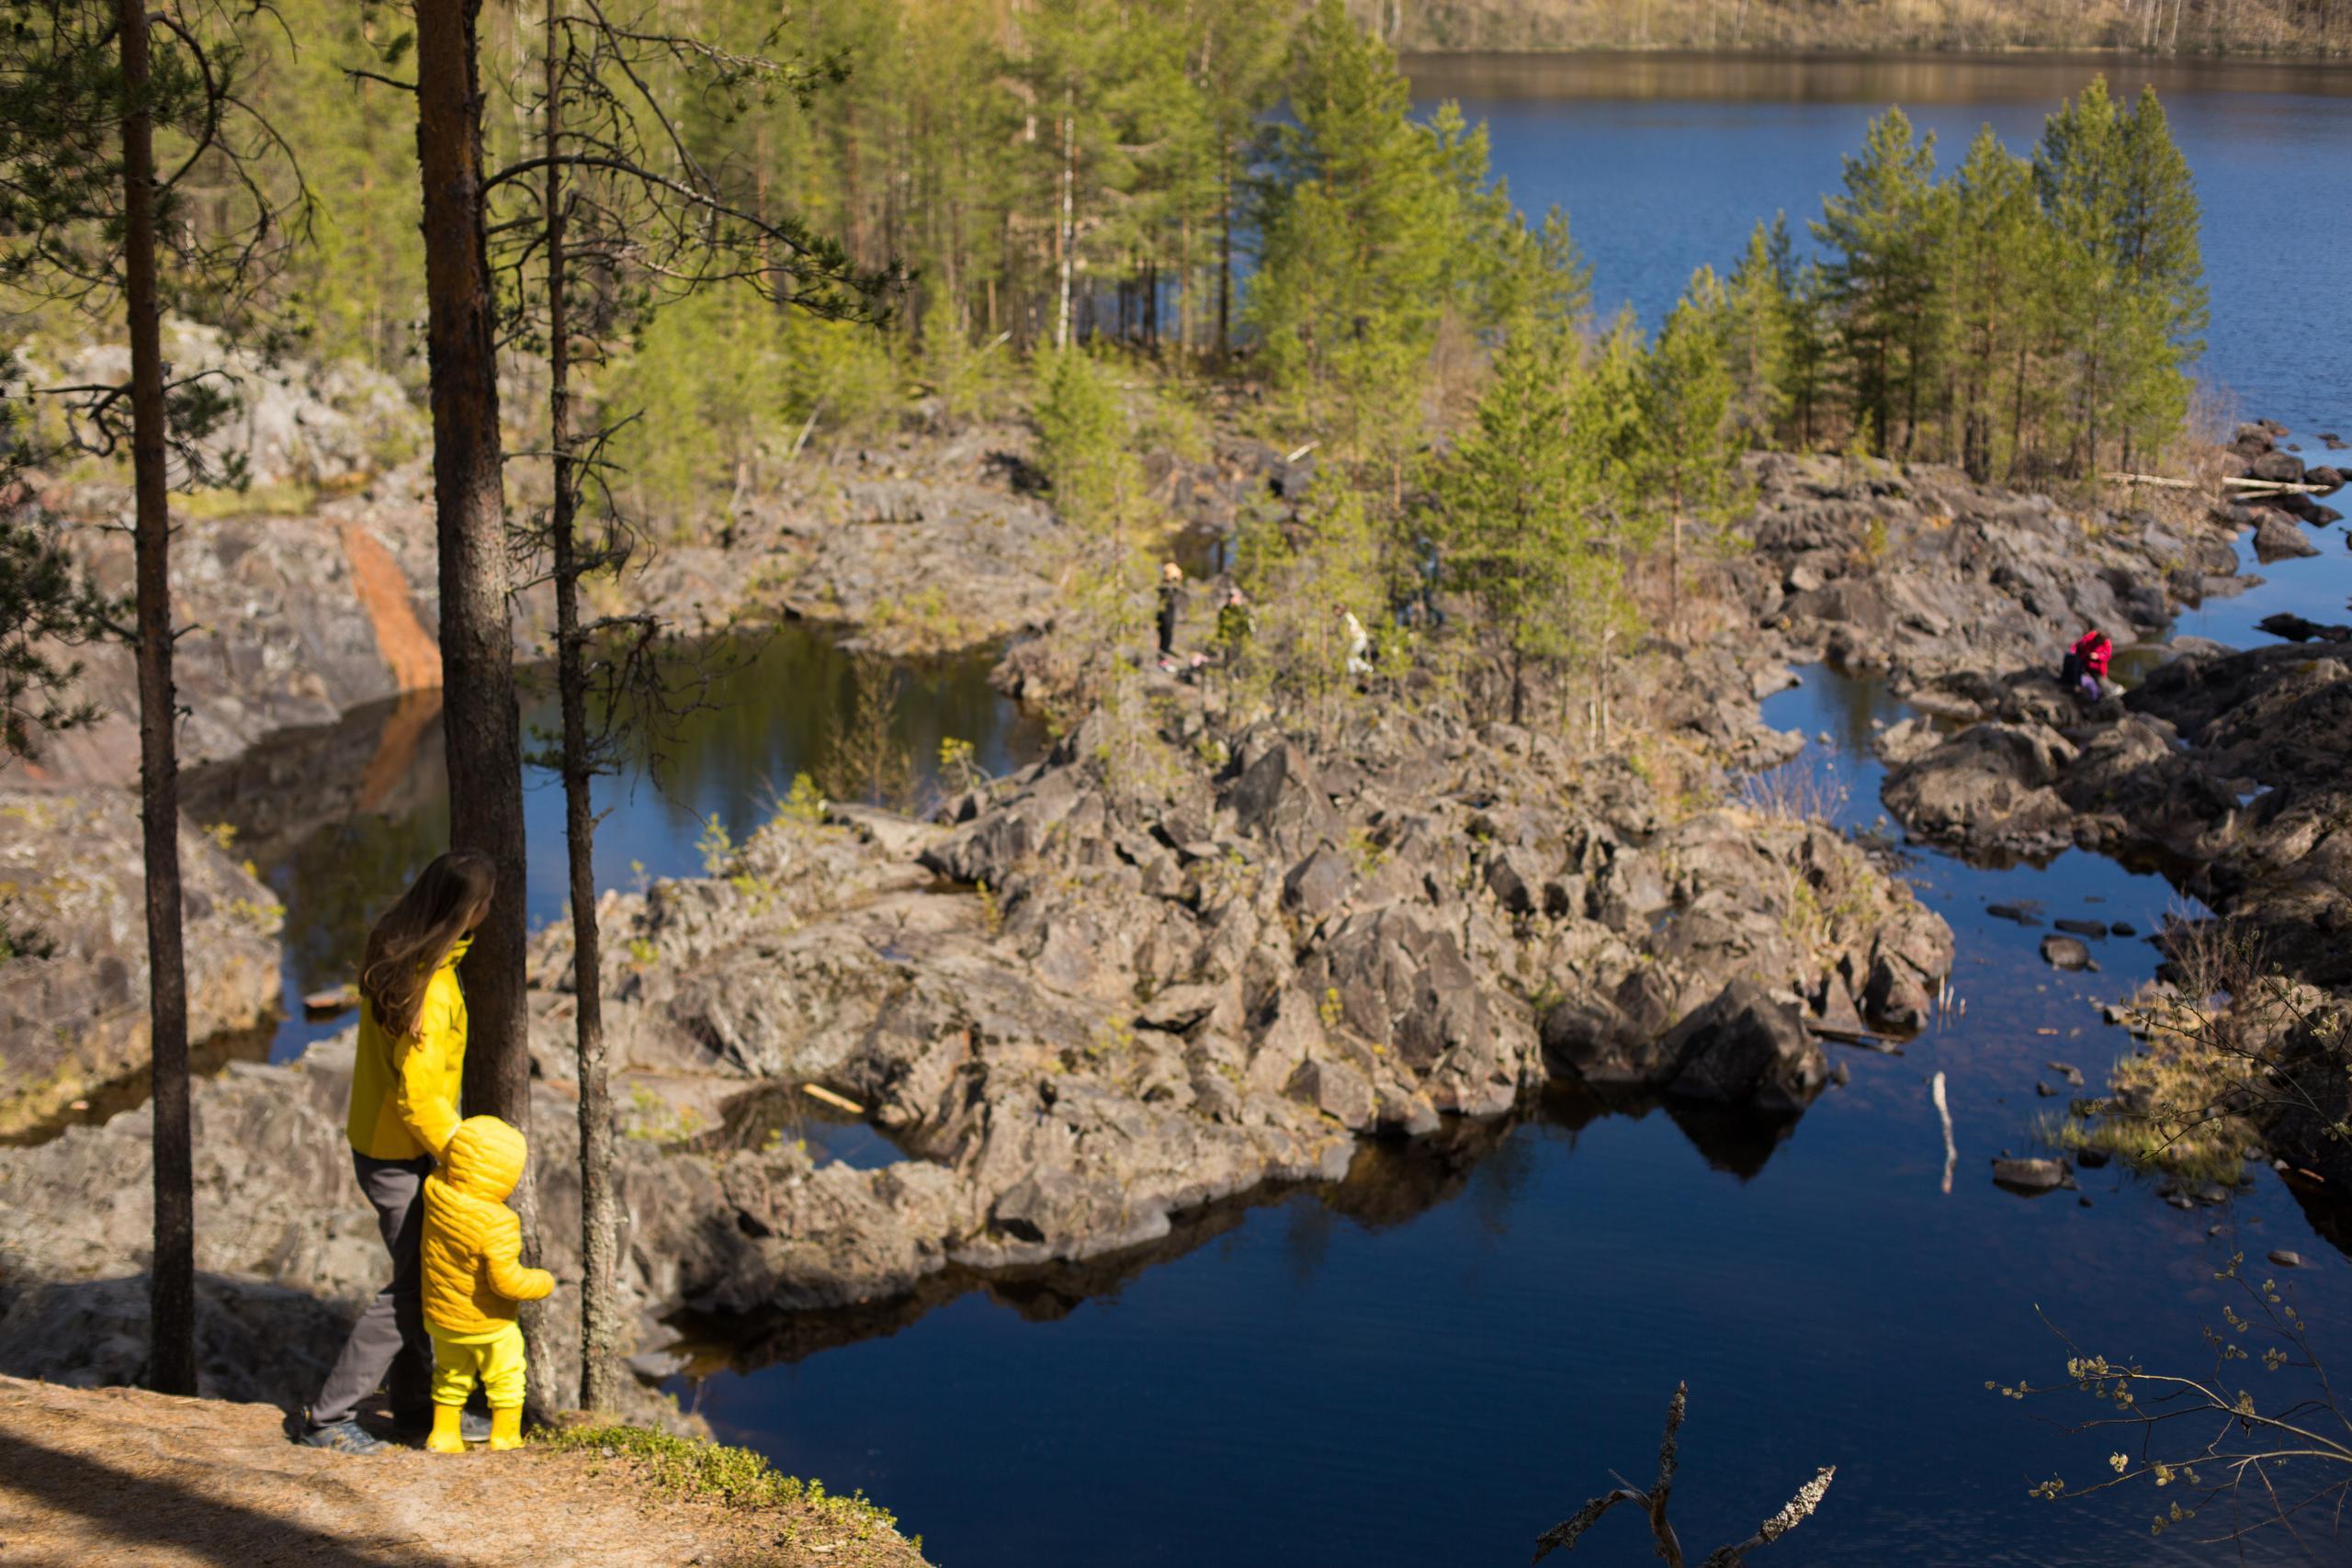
<point x="2084" y="669"/>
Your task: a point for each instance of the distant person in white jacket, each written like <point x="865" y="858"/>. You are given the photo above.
<point x="1359" y="643"/>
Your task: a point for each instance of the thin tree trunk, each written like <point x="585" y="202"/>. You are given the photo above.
<point x="480" y="724"/>
<point x="1184" y="281"/>
<point x="598" y="1319"/>
<point x="1066" y="229"/>
<point x="1225" y="253"/>
<point x="1674" y="576"/>
<point x="170" y="1356"/>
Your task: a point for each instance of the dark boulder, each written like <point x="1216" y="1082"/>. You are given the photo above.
<point x="2279" y="467"/>
<point x="1745" y="1047"/>
<point x="2295" y="628"/>
<point x="1581" y="1035"/>
<point x="2094" y="929"/>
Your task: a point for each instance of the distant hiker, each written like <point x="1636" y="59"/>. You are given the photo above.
<point x="1359" y="643"/>
<point x="1172" y="606"/>
<point x="1421" y="610"/>
<point x="2084" y="669"/>
<point x="404" y="1084"/>
<point x="473" y="1277"/>
<point x="1234" y="626"/>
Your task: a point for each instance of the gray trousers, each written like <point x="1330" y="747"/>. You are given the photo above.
<point x="388" y="1347"/>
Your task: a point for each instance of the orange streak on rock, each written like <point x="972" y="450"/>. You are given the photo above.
<point x="383" y="593"/>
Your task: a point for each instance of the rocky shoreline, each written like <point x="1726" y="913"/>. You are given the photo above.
<point x="2228" y="769"/>
<point x="1173" y="993"/>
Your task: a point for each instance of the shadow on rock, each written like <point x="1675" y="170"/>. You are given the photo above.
<point x="255" y="1343"/>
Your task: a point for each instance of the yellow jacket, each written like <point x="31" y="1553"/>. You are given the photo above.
<point x="473" y="1243"/>
<point x="404" y="1090"/>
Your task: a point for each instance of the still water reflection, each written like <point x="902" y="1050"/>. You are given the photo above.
<point x="339" y="820"/>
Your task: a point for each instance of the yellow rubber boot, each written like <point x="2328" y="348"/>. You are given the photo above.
<point x="506" y="1429"/>
<point x="445" y="1438"/>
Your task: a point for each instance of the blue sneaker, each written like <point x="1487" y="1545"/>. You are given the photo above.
<point x="344" y="1437"/>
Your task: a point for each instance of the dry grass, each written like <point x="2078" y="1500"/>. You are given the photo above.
<point x="1795" y="792"/>
<point x="2186" y="1103"/>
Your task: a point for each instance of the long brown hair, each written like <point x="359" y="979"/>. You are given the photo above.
<point x="416" y="934"/>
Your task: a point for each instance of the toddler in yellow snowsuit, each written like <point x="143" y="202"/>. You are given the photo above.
<point x="473" y="1277"/>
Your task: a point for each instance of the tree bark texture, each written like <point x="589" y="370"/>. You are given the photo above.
<point x="171" y="1361"/>
<point x="470" y="503"/>
<point x="481" y="723"/>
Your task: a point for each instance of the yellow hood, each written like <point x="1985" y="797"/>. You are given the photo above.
<point x="484" y="1159"/>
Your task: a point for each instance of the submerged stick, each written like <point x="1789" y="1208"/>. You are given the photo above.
<point x="1951" y="1150"/>
<point x="817" y="1092"/>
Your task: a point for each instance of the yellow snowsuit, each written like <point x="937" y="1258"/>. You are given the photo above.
<point x="404" y="1089"/>
<point x="473" y="1277"/>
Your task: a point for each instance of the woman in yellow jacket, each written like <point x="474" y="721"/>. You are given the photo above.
<point x="473" y="1277"/>
<point x="404" y="1089"/>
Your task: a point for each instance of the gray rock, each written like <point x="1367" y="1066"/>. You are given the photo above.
<point x="1990" y="786"/>
<point x="1319" y="883"/>
<point x="2066" y="953"/>
<point x="1178" y="1008"/>
<point x="1510" y="883"/>
<point x="75" y="1021"/>
<point x="2276" y="538"/>
<point x="2280" y="468"/>
<point x="1278" y="798"/>
<point x="1339" y="1091"/>
<point x="2032" y="1175"/>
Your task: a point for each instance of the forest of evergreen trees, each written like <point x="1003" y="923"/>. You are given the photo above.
<point x="1117" y="171"/>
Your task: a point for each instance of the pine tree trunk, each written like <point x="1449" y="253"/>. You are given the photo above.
<point x="480" y="724"/>
<point x="171" y="1357"/>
